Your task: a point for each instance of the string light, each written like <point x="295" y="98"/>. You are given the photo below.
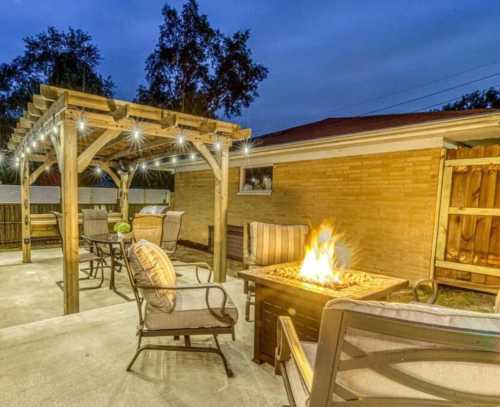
<point x="157" y="163"/>
<point x="144" y="166"/>
<point x="17" y="164"/>
<point x="33" y="144"/>
<point x="136" y="133"/>
<point x="246" y="149"/>
<point x="217" y="145"/>
<point x="180" y="139"/>
<point x="55" y="129"/>
<point x="193" y="156"/>
<point x="81" y="124"/>
<point x="47" y="168"/>
<point x="42" y="136"/>
<point x="28" y="150"/>
<point x="98" y="170"/>
<point x="23" y="155"/>
<point x="174" y="160"/>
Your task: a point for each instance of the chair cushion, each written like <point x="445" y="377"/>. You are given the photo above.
<point x="152" y="267"/>
<point x="171" y="229"/>
<point x="299" y="390"/>
<point x="274" y="244"/>
<point x="423" y="313"/>
<point x="191" y="312"/>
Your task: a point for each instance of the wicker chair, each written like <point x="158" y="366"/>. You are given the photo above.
<point x="93" y="258"/>
<point x="265" y="244"/>
<point x="166" y="309"/>
<point x="387" y="354"/>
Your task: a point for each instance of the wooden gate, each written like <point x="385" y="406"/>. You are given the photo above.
<point x="467" y="251"/>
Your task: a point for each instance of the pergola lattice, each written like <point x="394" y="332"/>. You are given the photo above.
<point x="76" y="130"/>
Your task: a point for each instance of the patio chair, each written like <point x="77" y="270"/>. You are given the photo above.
<point x="84" y="257"/>
<point x="95" y="222"/>
<point x="148" y="227"/>
<point x="385" y="354"/>
<point x="265" y="244"/>
<point x="167" y="309"/>
<point x="171" y="231"/>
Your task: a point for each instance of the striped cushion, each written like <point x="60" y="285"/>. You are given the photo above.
<point x="152" y="267"/>
<point x="274" y="244"/>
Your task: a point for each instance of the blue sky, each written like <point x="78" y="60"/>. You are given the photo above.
<point x="326" y="58"/>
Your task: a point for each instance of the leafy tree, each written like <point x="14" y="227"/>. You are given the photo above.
<point x="197" y="69"/>
<point x="63" y="58"/>
<point x="480" y="99"/>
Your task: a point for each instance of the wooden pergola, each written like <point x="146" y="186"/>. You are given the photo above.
<point x="76" y="130"/>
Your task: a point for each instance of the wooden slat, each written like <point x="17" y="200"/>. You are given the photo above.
<point x="443" y="213"/>
<point x="475" y="211"/>
<point x="460" y="162"/>
<point x="471" y="268"/>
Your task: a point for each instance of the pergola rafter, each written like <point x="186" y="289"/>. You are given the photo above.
<point x="53" y="120"/>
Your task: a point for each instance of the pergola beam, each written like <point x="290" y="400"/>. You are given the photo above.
<point x="86" y="156"/>
<point x="40" y="169"/>
<point x="207" y="155"/>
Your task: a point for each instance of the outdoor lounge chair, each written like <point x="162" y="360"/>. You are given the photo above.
<point x="387" y="354"/>
<point x="166" y="309"/>
<point x="265" y="244"/>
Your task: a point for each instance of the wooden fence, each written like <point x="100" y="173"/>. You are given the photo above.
<point x="10" y="222"/>
<point x="468" y="239"/>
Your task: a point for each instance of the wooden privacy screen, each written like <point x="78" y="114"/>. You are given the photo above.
<point x="468" y="240"/>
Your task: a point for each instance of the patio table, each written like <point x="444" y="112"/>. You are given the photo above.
<point x="112" y="241"/>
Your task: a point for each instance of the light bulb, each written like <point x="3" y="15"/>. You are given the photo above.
<point x="246" y="149"/>
<point x="47" y="168"/>
<point x="157" y="163"/>
<point x="180" y="139"/>
<point x="144" y="166"/>
<point x="98" y="170"/>
<point x="42" y="136"/>
<point x="193" y="156"/>
<point x="33" y="144"/>
<point x="28" y="150"/>
<point x="54" y="129"/>
<point x="217" y="145"/>
<point x="81" y="125"/>
<point x="23" y="155"/>
<point x="174" y="160"/>
<point x="136" y="134"/>
<point x="17" y="164"/>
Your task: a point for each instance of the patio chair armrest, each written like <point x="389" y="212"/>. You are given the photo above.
<point x="198" y="265"/>
<point x="435" y="290"/>
<point x="206" y="287"/>
<point x="288" y="345"/>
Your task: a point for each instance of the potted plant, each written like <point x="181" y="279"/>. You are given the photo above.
<point x="122" y="228"/>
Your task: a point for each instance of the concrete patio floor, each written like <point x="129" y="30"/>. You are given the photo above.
<point x="80" y="360"/>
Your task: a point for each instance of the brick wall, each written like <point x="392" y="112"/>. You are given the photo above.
<point x="383" y="204"/>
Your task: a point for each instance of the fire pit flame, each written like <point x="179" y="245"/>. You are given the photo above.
<point x="323" y="264"/>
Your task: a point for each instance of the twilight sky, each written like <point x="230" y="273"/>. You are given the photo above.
<point x="325" y="57"/>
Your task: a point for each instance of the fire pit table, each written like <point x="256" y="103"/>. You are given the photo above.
<point x="278" y="293"/>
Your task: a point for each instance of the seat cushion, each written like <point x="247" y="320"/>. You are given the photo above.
<point x="297" y="387"/>
<point x="152" y="267"/>
<point x="274" y="244"/>
<point x="191" y="312"/>
<point x="422" y="313"/>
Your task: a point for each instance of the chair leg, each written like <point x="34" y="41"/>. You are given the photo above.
<point x="137" y="353"/>
<point x="229" y="372"/>
<point x="91" y="269"/>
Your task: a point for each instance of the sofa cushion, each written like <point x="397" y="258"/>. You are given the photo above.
<point x="152" y="267"/>
<point x="423" y="313"/>
<point x="191" y="312"/>
<point x="274" y="244"/>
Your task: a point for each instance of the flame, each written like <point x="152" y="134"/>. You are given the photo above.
<point x="322" y="264"/>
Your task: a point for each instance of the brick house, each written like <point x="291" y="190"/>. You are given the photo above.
<point x="375" y="176"/>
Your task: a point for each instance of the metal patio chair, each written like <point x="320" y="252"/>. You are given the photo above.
<point x="265" y="244"/>
<point x="93" y="257"/>
<point x="167" y="309"/>
<point x="386" y="354"/>
<point x="171" y="231"/>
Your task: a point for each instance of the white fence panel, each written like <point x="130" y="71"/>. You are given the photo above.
<point x="45" y="195"/>
<point x="89" y="195"/>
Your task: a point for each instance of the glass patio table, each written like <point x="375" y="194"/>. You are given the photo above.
<point x="111" y="242"/>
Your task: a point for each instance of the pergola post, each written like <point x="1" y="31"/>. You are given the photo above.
<point x="69" y="172"/>
<point x="25" y="211"/>
<point x="220" y="216"/>
<point x="124" y="196"/>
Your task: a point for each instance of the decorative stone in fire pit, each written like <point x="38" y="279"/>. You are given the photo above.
<point x="283" y="290"/>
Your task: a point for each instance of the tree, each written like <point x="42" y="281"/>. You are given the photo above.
<point x="197" y="69"/>
<point x="62" y="58"/>
<point x="480" y="99"/>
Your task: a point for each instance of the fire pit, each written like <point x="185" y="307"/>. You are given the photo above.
<point x="301" y="289"/>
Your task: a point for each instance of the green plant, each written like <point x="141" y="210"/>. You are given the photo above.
<point x="122" y="227"/>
